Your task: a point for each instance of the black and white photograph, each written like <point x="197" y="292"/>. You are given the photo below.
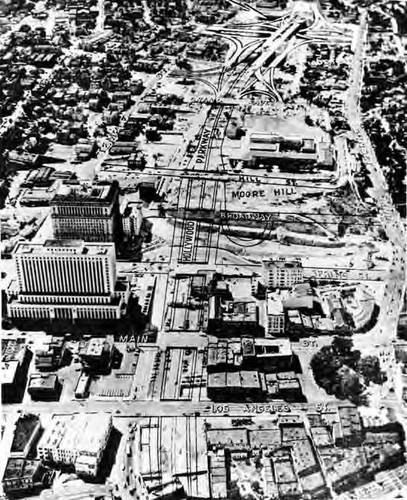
<point x="203" y="249"/>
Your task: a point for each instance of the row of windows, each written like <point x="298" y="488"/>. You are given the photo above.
<point x="112" y="312"/>
<point x="81" y="210"/>
<point x="63" y="275"/>
<point x="276" y="323"/>
<point x="285" y="272"/>
<point x="64" y="299"/>
<point x="72" y="223"/>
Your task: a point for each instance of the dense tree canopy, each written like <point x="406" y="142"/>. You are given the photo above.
<point x="343" y="372"/>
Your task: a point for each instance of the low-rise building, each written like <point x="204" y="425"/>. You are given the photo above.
<point x="26" y="432"/>
<point x="22" y="476"/>
<point x="85" y="149"/>
<point x="97" y="353"/>
<point x="350" y="430"/>
<point x="79" y="440"/>
<point x="243" y="384"/>
<point x="44" y="387"/>
<point x="22" y="161"/>
<point x="52" y="356"/>
<point x="290" y="152"/>
<point x="15" y="360"/>
<point x="82" y="387"/>
<point x="37" y="196"/>
<point x="231" y="318"/>
<point x="268" y="355"/>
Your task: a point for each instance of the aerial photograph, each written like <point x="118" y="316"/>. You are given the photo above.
<point x="203" y="249"/>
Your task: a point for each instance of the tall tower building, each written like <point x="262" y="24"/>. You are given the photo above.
<point x="67" y="279"/>
<point x="89" y="213"/>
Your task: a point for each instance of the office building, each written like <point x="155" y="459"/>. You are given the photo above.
<point x="79" y="440"/>
<point x="282" y="273"/>
<point x="275" y="315"/>
<point x="132" y="220"/>
<point x="66" y="279"/>
<point x="86" y="212"/>
<point x="96" y="354"/>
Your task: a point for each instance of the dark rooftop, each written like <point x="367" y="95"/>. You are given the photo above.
<point x="18" y="468"/>
<point x="24" y="430"/>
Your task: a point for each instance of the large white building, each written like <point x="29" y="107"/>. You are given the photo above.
<point x="282" y="273"/>
<point x="78" y="439"/>
<point x="67" y="279"/>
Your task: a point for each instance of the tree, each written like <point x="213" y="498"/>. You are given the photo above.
<point x="351" y="386"/>
<point x="341" y="371"/>
<point x="369" y="367"/>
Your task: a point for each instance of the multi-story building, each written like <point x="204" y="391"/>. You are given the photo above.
<point x="66" y="279"/>
<point x="89" y="213"/>
<point x="97" y="354"/>
<point x="15" y="362"/>
<point x="248" y="353"/>
<point x="275" y="316"/>
<point x="22" y="476"/>
<point x="132" y="220"/>
<point x="79" y="440"/>
<point x="230" y="318"/>
<point x="264" y="148"/>
<point x="282" y="273"/>
<point x="44" y="387"/>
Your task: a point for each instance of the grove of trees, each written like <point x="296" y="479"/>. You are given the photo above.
<point x="344" y="372"/>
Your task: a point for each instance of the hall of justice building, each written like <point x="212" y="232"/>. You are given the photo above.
<point x="66" y="279"/>
<point x="86" y="212"/>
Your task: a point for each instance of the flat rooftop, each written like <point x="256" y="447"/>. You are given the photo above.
<point x="17" y="468"/>
<point x="48" y="381"/>
<point x="76" y="247"/>
<point x="10" y="349"/>
<point x="282" y="263"/>
<point x="76" y="192"/>
<point x="95" y="346"/>
<point x="25" y="427"/>
<point x="227" y="437"/>
<point x="83" y="433"/>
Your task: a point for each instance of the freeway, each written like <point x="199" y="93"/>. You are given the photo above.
<point x="391" y="305"/>
<point x="385" y="332"/>
<point x="268" y="48"/>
